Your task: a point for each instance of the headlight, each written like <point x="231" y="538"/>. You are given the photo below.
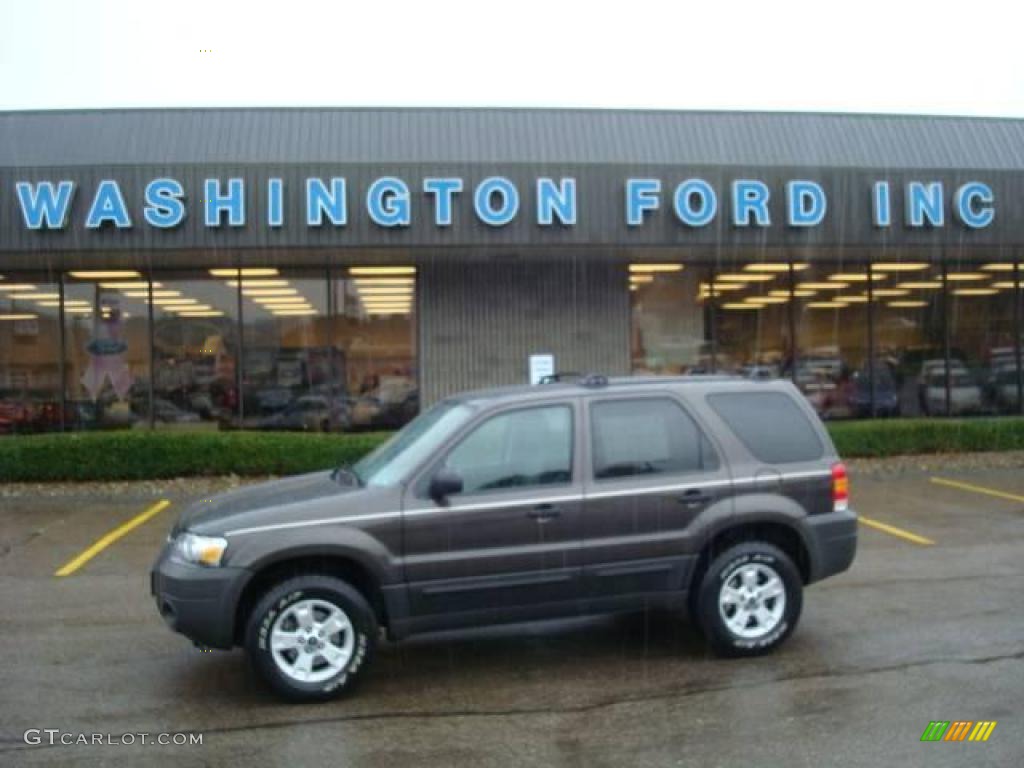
<point x="199" y="550"/>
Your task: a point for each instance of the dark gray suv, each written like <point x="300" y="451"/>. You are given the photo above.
<point x="718" y="495"/>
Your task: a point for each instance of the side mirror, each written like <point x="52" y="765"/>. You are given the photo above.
<point x="444" y="483"/>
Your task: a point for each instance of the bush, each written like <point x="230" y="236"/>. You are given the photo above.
<point x="879" y="439"/>
<point x="137" y="455"/>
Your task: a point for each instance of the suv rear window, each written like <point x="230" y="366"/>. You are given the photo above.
<point x="770" y="425"/>
<point x="647" y="436"/>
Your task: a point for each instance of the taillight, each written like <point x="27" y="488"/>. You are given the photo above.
<point x="840" y="487"/>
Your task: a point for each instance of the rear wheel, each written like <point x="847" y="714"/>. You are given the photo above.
<point x="311" y="637"/>
<point x="749" y="599"/>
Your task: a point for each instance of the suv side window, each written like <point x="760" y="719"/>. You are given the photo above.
<point x="646" y="436"/>
<point x="772" y="427"/>
<point x="519" y="449"/>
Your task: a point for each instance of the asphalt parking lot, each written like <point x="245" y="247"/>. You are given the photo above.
<point x="915" y="632"/>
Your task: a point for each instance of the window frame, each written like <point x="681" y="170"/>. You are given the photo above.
<point x="421" y="483"/>
<point x="673" y="399"/>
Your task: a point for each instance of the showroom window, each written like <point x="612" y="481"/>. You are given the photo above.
<point x="668" y="327"/>
<point x="372" y="335"/>
<point x="30" y="344"/>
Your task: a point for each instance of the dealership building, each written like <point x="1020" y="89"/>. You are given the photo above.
<point x="341" y="268"/>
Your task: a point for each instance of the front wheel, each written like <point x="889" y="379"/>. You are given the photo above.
<point x="311" y="637"/>
<point x="749" y="599"/>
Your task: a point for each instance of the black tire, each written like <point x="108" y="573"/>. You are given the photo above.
<point x="724" y="568"/>
<point x="309" y="587"/>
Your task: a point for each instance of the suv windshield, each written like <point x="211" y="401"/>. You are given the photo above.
<point x="392" y="460"/>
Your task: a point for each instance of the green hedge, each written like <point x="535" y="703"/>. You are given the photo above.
<point x="137" y="455"/>
<point x="883" y="438"/>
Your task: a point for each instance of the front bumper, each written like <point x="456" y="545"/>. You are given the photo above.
<point x="832" y="541"/>
<point x="198" y="602"/>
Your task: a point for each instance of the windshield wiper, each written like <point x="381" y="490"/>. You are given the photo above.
<point x="347" y="472"/>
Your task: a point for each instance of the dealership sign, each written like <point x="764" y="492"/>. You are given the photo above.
<point x="391" y="202"/>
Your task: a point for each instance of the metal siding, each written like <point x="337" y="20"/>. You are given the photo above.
<point x="477" y="327"/>
<point x="128" y="137"/>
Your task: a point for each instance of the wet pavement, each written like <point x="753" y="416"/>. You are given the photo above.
<point x="910" y="634"/>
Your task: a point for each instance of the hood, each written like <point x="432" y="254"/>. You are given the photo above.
<point x="237" y="508"/>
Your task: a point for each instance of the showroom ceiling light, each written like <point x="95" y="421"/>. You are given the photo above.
<point x="78" y="310"/>
<point x="739" y="305"/>
<point x="955" y="277"/>
<point x="382" y="270"/>
<point x="174" y="302"/>
<point x="900" y="266"/>
<point x="34" y="296"/>
<point x="17" y="287"/>
<point x="778" y="266"/>
<point x="111" y="274"/>
<point x="245" y="283"/>
<point x="373" y="290"/>
<point x="202" y="313"/>
<point x="19" y="316"/>
<point x="130" y="285"/>
<point x="1001" y="266"/>
<point x="851" y="299"/>
<point x="826" y="305"/>
<point x="912" y="304"/>
<point x="638" y="279"/>
<point x="269" y="291"/>
<point x="156" y="294"/>
<point x="73" y="303"/>
<point x="272" y="300"/>
<point x="884" y="292"/>
<point x="857" y="277"/>
<point x="655" y="267"/>
<point x="387" y="312"/>
<point x="766" y="299"/>
<point x="975" y="291"/>
<point x="1004" y="284"/>
<point x="739" y="277"/>
<point x="799" y="293"/>
<point x="830" y="286"/>
<point x="720" y="287"/>
<point x="361" y="281"/>
<point x="921" y="285"/>
<point x="293" y="312"/>
<point x="244" y="272"/>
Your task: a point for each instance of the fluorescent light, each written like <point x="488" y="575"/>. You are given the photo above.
<point x="396" y="291"/>
<point x="174" y="302"/>
<point x="800" y="294"/>
<point x="719" y="287"/>
<point x="289" y="312"/>
<point x="272" y="300"/>
<point x="740" y="305"/>
<point x="17" y="287"/>
<point x="114" y="274"/>
<point x="857" y="277"/>
<point x="22" y="316"/>
<point x="258" y="283"/>
<point x="76" y="303"/>
<point x="1004" y="284"/>
<point x="766" y="299"/>
<point x="826" y="305"/>
<point x="900" y="266"/>
<point x="269" y="291"/>
<point x="975" y="291"/>
<point x="1001" y="266"/>
<point x="34" y="296"/>
<point x="736" y="277"/>
<point x="78" y="310"/>
<point x="774" y="267"/>
<point x="889" y="292"/>
<point x="156" y="294"/>
<point x="387" y="311"/>
<point x="382" y="270"/>
<point x="830" y="286"/>
<point x="129" y="285"/>
<point x="851" y="299"/>
<point x="966" y="276"/>
<point x="202" y="313"/>
<point x="361" y="281"/>
<point x="921" y="285"/>
<point x="637" y="279"/>
<point x="244" y="271"/>
<point x="907" y="304"/>
<point x="655" y="267"/>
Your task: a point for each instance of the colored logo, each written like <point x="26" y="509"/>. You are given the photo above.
<point x="958" y="730"/>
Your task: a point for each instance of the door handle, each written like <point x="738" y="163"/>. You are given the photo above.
<point x="543" y="512"/>
<point x="694" y="497"/>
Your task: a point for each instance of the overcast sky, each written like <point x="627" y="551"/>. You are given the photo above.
<point x="904" y="56"/>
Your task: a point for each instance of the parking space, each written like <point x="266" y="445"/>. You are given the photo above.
<point x="912" y="633"/>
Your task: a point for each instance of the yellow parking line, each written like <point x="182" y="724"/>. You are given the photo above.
<point x="892" y="530"/>
<point x="107" y="539"/>
<point x="977" y="489"/>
